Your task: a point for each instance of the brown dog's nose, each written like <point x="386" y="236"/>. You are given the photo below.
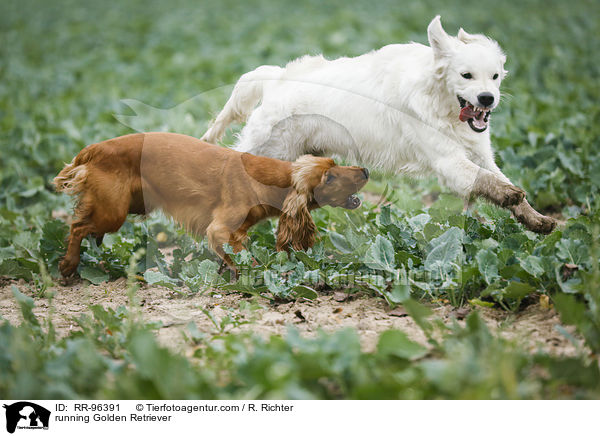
<point x="366" y="172"/>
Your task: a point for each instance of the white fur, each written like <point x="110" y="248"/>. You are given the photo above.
<point x="395" y="108"/>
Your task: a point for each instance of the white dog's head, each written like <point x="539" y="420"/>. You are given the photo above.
<point x="472" y="67"/>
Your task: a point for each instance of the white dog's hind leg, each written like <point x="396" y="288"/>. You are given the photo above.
<point x="247" y="93"/>
<point x="269" y="133"/>
<point x="259" y="137"/>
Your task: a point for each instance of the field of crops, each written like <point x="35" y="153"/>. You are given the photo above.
<point x="407" y="296"/>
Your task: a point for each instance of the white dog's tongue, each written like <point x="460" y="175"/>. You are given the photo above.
<point x="477" y="117"/>
<point x="467" y="112"/>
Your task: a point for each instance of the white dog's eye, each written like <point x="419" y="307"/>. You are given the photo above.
<point x="495" y="76"/>
<point x="467" y="75"/>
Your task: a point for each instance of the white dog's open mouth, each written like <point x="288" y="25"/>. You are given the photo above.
<point x="476" y="117"/>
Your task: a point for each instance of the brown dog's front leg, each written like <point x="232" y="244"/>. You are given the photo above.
<point x="532" y="219"/>
<point x="225" y="265"/>
<point x="219" y="234"/>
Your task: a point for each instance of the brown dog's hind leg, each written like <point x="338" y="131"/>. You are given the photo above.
<point x="93" y="217"/>
<point x="99" y="239"/>
<point x="79" y="230"/>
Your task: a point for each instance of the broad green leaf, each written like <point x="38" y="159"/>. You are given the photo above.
<point x="307" y="260"/>
<point x="447" y="205"/>
<point x="158" y="278"/>
<point x="432" y="230"/>
<point x="419" y="313"/>
<point x="275" y="284"/>
<point x="571" y="162"/>
<point x="517" y="290"/>
<point x="208" y="271"/>
<point x="380" y="255"/>
<point x="400" y="291"/>
<point x="6" y="253"/>
<point x="445" y="249"/>
<point x="533" y="265"/>
<point x="246" y="289"/>
<point x="573" y="251"/>
<point x="16" y="268"/>
<point x="418" y="222"/>
<point x="263" y="255"/>
<point x="385" y="217"/>
<point x="396" y="343"/>
<point x="52" y="244"/>
<point x="488" y="265"/>
<point x="570" y="309"/>
<point x="26" y="304"/>
<point x="28" y="242"/>
<point x="302" y="291"/>
<point x="340" y="242"/>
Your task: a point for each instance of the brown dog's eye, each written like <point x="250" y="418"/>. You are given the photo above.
<point x="329" y="179"/>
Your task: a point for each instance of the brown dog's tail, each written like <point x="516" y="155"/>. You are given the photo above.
<point x="71" y="179"/>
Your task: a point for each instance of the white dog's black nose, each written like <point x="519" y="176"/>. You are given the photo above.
<point x="486" y="99"/>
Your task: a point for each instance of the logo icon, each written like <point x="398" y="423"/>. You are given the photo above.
<point x="26" y="415"/>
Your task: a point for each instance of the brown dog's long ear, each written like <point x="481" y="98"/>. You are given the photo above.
<point x="296" y="226"/>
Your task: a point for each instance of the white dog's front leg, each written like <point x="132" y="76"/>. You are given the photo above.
<point x="485" y="158"/>
<point x="468" y="179"/>
<point x="522" y="211"/>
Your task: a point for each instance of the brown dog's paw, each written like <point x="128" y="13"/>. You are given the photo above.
<point x="511" y="195"/>
<point x="233" y="272"/>
<point x="69" y="281"/>
<point x="67" y="268"/>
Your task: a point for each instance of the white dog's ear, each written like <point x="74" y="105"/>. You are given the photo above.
<point x="464" y="36"/>
<point x="439" y="40"/>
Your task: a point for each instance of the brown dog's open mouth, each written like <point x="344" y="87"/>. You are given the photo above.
<point x="475" y="116"/>
<point x="352" y="202"/>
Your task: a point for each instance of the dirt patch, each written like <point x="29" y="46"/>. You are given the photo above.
<point x="535" y="327"/>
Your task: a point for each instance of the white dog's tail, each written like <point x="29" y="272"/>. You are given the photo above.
<point x="248" y="91"/>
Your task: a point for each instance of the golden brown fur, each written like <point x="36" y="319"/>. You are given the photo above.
<point x="210" y="190"/>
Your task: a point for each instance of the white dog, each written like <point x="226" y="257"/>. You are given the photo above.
<point x="403" y="108"/>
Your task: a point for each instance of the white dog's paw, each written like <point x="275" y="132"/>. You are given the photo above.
<point x="532" y="219"/>
<point x="510" y="195"/>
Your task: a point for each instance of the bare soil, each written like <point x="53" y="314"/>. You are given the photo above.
<point x="534" y="327"/>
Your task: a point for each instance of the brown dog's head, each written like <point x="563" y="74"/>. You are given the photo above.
<point x="338" y="186"/>
<point x="316" y="182"/>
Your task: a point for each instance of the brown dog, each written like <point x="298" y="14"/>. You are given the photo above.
<point x="211" y="190"/>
